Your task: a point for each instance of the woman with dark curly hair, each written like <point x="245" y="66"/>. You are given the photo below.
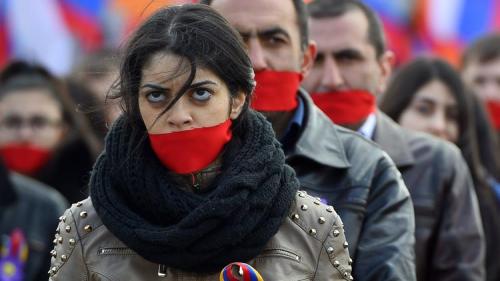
<point x="191" y="179"/>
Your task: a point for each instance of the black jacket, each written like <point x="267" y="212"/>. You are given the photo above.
<point x="367" y="191"/>
<point x="33" y="208"/>
<point x="449" y="234"/>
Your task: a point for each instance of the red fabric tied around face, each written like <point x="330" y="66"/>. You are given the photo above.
<point x="276" y="91"/>
<point x="24" y="158"/>
<point x="346" y="107"/>
<point x="192" y="150"/>
<point x="494" y="112"/>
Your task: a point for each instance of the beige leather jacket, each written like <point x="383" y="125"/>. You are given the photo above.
<point x="310" y="245"/>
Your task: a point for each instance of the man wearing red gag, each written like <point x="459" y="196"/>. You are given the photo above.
<point x="335" y="164"/>
<point x="268" y="82"/>
<point x="352" y="64"/>
<point x="346" y="107"/>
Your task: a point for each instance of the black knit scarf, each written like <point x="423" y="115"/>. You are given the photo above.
<point x="141" y="202"/>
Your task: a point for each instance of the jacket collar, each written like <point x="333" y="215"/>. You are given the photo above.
<point x="391" y="138"/>
<point x="319" y="140"/>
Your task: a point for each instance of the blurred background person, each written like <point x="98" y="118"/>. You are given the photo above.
<point x="98" y="72"/>
<point x="481" y="72"/>
<point x="480" y="68"/>
<point x="40" y="133"/>
<point x="28" y="217"/>
<point x="89" y="106"/>
<point x="487" y="143"/>
<point x="351" y="71"/>
<point x="428" y="95"/>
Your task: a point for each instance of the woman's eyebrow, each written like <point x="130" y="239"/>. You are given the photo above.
<point x="201" y="83"/>
<point x="194" y="85"/>
<point x="154" y="86"/>
<point x="425" y="100"/>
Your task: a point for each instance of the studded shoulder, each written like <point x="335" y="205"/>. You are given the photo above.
<point x="322" y="222"/>
<point x="86" y="218"/>
<point x="75" y="224"/>
<point x="313" y="216"/>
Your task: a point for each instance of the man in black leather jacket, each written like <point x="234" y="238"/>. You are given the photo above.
<point x="352" y="59"/>
<point x="28" y="209"/>
<point x="333" y="163"/>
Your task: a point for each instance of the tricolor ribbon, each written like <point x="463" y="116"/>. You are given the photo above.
<point x="244" y="272"/>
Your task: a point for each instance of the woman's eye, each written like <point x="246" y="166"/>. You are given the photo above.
<point x="424" y="109"/>
<point x="155" y="97"/>
<point x="201" y="95"/>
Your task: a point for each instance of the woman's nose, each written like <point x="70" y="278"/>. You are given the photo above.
<point x="438" y="125"/>
<point x="178" y="117"/>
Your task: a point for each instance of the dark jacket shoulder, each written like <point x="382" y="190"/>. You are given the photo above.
<point x="34" y="192"/>
<point x="326" y="145"/>
<point x="34" y="211"/>
<point x="362" y="183"/>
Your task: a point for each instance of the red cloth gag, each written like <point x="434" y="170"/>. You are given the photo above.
<point x="276" y="90"/>
<point x="346" y="107"/>
<point x="189" y="151"/>
<point x="494" y="112"/>
<point x="24" y="158"/>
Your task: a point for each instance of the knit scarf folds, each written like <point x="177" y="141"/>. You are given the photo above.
<point x="141" y="203"/>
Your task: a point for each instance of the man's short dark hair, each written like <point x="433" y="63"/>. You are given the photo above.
<point x="483" y="50"/>
<point x="302" y="20"/>
<point x="335" y="8"/>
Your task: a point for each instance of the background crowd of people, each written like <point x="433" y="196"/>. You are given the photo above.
<point x="404" y="158"/>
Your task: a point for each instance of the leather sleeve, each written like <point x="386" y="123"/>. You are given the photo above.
<point x="67" y="262"/>
<point x="385" y="249"/>
<point x="334" y="255"/>
<point x="460" y="243"/>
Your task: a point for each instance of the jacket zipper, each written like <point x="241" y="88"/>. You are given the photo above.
<point x="162" y="270"/>
<point x="280" y="253"/>
<point x="115" y="251"/>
